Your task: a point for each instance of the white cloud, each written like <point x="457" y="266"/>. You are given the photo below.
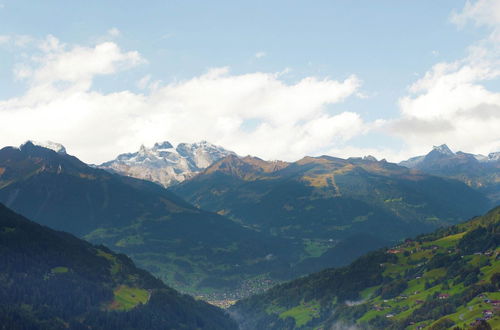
<point x="260" y="54"/>
<point x="482" y="12"/>
<point x="258" y="113"/>
<point x="18" y="40"/>
<point x="81" y="64"/>
<point x="60" y="105"/>
<point x="22" y="40"/>
<point x="450" y="103"/>
<point x="143" y="83"/>
<point x="114" y="32"/>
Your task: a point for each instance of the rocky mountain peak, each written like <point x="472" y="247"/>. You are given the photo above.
<point x="370" y="158"/>
<point x="57" y="147"/>
<point x="165" y="164"/>
<point x="163" y="145"/>
<point x="443" y="149"/>
<point x="494" y="156"/>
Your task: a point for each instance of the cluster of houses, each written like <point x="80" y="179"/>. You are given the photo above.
<point x="247" y="288"/>
<point x="489" y="313"/>
<point x="399" y="248"/>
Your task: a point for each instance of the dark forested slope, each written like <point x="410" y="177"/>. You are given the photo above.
<point x="53" y="280"/>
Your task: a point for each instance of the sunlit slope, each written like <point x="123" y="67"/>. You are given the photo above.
<point x="336" y="209"/>
<point x="441" y="280"/>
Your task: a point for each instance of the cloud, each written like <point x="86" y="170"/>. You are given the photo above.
<point x="143" y="83"/>
<point x="451" y="103"/>
<point x="260" y="54"/>
<point x="290" y="119"/>
<point x="79" y="63"/>
<point x="482" y="12"/>
<point x="19" y="40"/>
<point x="114" y="32"/>
<point x="257" y="113"/>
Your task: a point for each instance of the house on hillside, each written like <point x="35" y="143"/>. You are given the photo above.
<point x="488" y="312"/>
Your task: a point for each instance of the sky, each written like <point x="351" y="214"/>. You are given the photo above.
<point x="273" y="79"/>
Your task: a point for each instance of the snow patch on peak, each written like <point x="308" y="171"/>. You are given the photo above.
<point x="57" y="147"/>
<point x="443" y="149"/>
<point x="370" y="158"/>
<point x="494" y="156"/>
<point x="163" y="145"/>
<point x="481" y="158"/>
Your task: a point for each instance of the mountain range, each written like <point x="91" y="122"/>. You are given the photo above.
<point x="335" y="208"/>
<point x="165" y="164"/>
<point x="449" y="279"/>
<point x="189" y="248"/>
<point x="53" y="280"/>
<point x="231" y="226"/>
<point x="478" y="171"/>
<point x="265" y="221"/>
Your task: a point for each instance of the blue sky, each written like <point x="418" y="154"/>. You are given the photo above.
<point x="348" y="66"/>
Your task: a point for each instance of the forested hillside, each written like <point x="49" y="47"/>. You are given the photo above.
<point x="53" y="280"/>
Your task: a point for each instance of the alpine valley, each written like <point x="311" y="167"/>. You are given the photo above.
<point x="223" y="228"/>
<point x="191" y="249"/>
<point x="336" y="209"/>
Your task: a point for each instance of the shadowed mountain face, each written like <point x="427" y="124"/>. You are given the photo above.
<point x="187" y="247"/>
<point x="477" y="171"/>
<point x="325" y="201"/>
<point x="64" y="193"/>
<point x="53" y="280"/>
<point x="437" y="281"/>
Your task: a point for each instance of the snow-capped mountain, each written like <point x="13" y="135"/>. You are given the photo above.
<point x="493" y="157"/>
<point x="443" y="153"/>
<point x="478" y="171"/>
<point x="57" y="147"/>
<point x="165" y="164"/>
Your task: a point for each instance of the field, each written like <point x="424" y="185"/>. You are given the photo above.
<point x="127" y="298"/>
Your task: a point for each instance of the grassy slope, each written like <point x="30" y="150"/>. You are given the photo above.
<point x="430" y="265"/>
